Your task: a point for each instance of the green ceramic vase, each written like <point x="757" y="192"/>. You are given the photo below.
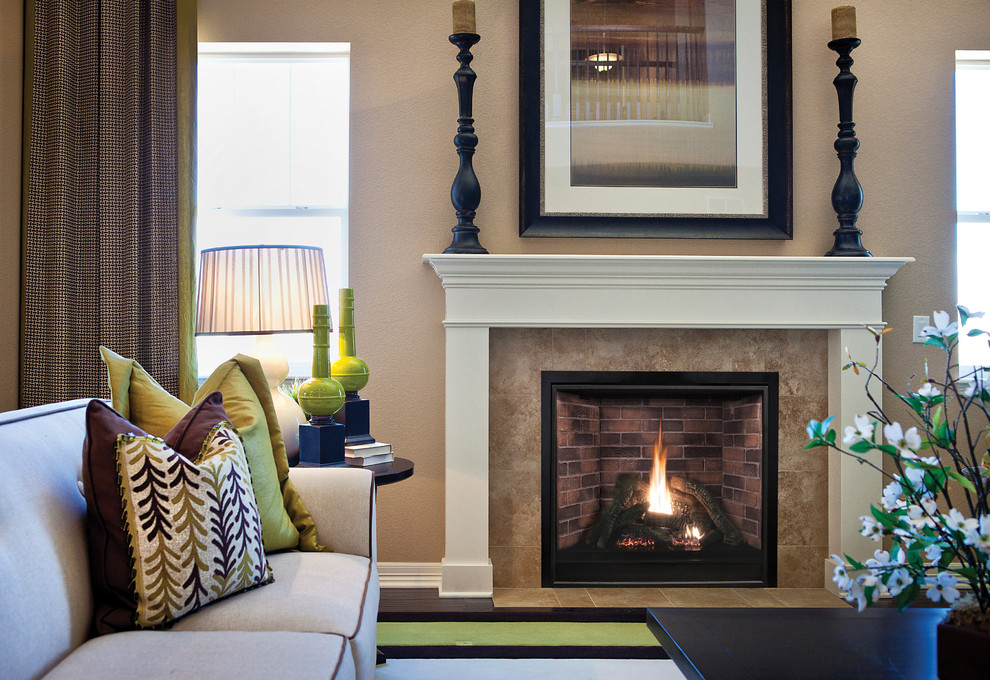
<point x="321" y="396"/>
<point x="349" y="369"/>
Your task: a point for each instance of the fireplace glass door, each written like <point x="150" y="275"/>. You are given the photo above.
<point x="659" y="478"/>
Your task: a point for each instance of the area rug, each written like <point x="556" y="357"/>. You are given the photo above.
<point x="517" y="640"/>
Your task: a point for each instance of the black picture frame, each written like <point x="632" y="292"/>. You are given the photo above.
<point x="774" y="224"/>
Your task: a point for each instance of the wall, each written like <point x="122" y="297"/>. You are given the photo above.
<point x="404" y="110"/>
<point x="11" y="64"/>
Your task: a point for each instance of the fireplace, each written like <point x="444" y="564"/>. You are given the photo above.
<point x="716" y="313"/>
<point x="659" y="478"/>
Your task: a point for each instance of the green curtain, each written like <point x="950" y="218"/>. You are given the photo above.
<point x="107" y="234"/>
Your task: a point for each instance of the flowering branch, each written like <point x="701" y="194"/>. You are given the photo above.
<point x="932" y="550"/>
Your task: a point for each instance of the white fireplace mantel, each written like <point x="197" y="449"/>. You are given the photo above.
<point x="645" y="291"/>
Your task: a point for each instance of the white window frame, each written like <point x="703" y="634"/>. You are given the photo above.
<point x="279" y="53"/>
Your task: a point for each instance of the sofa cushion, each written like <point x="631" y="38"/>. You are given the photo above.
<point x="319" y="593"/>
<point x="208" y="654"/>
<point x="139" y="398"/>
<point x="167" y="534"/>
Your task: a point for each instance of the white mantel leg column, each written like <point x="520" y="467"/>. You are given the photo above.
<point x="466" y="567"/>
<point x="852" y="486"/>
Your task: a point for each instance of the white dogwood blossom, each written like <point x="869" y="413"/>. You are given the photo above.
<point x="863" y="430"/>
<point x="957" y="522"/>
<point x="979" y="537"/>
<point x="943" y="587"/>
<point x="892" y="496"/>
<point x="903" y="441"/>
<point x="871" y="528"/>
<point x="942" y="328"/>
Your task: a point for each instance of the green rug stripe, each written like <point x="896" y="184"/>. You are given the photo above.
<point x="502" y="633"/>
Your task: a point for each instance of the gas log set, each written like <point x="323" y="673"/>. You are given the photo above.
<point x="664" y="513"/>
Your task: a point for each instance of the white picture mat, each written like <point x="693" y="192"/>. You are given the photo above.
<point x="747" y="199"/>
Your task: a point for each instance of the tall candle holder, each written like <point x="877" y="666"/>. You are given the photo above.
<point x="847" y="194"/>
<point x="465" y="192"/>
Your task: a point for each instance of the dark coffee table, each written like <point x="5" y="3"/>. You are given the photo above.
<point x="798" y="643"/>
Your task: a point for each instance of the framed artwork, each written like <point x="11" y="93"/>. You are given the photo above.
<point x="655" y="118"/>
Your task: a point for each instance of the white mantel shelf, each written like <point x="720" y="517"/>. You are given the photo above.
<point x="641" y="291"/>
<point x="676" y="291"/>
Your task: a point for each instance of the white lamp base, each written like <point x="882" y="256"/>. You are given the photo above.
<point x="290" y="416"/>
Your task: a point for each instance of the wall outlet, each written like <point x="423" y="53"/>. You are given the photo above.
<point x="919" y="322"/>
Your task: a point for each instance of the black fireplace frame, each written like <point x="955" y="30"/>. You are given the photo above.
<point x="680" y="568"/>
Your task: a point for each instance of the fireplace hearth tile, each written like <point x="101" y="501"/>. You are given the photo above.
<point x="628" y="597"/>
<point x="759" y="597"/>
<point x="574" y="597"/>
<point x="704" y="597"/>
<point x="806" y="597"/>
<point x="525" y="597"/>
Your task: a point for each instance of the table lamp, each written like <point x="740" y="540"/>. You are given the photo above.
<point x="262" y="290"/>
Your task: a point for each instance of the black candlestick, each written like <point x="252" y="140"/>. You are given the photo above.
<point x="847" y="194"/>
<point x="465" y="192"/>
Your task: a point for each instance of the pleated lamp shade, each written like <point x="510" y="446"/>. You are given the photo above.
<point x="258" y="290"/>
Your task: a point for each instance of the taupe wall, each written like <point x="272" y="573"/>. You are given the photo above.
<point x="404" y="109"/>
<point x="11" y="64"/>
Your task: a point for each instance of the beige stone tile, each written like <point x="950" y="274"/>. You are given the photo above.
<point x="807" y="597"/>
<point x="517" y="356"/>
<point x="704" y="597"/>
<point x="514" y="509"/>
<point x="515" y="567"/>
<point x="625" y="349"/>
<point x="801" y="566"/>
<point x="795" y="412"/>
<point x="569" y="350"/>
<point x="628" y="597"/>
<point x="574" y="597"/>
<point x="801" y="358"/>
<point x="759" y="597"/>
<point x="525" y="597"/>
<point x="802" y="508"/>
<point x="514" y="432"/>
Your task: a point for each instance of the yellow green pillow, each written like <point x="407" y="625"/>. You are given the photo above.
<point x="246" y="398"/>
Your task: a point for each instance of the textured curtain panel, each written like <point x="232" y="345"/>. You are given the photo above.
<point x="106" y="258"/>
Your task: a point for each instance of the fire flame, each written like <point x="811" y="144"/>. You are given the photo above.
<point x="659" y="493"/>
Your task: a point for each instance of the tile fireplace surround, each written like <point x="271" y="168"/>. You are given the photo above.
<point x="508" y="317"/>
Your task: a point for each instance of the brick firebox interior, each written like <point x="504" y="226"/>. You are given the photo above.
<point x="714" y="441"/>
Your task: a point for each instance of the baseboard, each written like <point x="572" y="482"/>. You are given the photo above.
<point x="409" y="574"/>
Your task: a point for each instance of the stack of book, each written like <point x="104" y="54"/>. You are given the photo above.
<point x="363" y="455"/>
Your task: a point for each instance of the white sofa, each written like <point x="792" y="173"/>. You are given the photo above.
<point x="317" y="620"/>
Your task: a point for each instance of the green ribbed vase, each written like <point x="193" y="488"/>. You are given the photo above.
<point x="349" y="369"/>
<point x="321" y="396"/>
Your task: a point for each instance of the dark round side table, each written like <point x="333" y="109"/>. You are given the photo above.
<point x="390" y="473"/>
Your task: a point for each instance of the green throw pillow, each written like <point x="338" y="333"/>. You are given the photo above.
<point x="246" y="398"/>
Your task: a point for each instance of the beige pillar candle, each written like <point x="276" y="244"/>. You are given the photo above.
<point x="843" y="22"/>
<point x="464" y="17"/>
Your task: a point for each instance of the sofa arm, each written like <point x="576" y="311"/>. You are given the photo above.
<point x="342" y="503"/>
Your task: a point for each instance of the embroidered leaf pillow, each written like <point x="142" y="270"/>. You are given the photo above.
<point x="172" y="524"/>
<point x="193" y="526"/>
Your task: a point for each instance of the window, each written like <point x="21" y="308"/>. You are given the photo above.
<point x="972" y="196"/>
<point x="273" y="163"/>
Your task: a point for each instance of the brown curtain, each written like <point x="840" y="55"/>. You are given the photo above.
<point x="107" y="229"/>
